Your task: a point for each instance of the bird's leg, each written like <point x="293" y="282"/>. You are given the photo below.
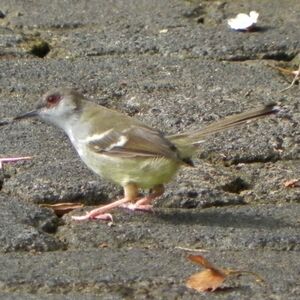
<point x="144" y="203"/>
<point x="130" y="194"/>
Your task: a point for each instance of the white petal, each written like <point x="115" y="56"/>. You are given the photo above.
<point x="254" y="16"/>
<point x="243" y="21"/>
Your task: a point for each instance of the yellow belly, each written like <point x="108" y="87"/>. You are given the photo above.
<point x="145" y="172"/>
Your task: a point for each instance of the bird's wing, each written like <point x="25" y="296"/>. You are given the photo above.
<point x="135" y="141"/>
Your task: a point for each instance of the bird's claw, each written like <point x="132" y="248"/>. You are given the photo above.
<point x="140" y="207"/>
<point x="89" y="216"/>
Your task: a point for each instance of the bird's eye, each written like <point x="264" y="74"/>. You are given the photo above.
<point x="53" y="100"/>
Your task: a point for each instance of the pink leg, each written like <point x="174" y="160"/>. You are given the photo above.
<point x="100" y="213"/>
<point x="144" y="203"/>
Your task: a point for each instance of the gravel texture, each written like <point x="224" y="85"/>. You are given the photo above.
<point x="176" y="66"/>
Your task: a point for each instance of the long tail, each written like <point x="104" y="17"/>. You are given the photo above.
<point x="187" y="142"/>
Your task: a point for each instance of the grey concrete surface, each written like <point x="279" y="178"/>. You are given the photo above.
<point x="176" y="66"/>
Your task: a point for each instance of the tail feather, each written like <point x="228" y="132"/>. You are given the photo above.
<point x="187" y="142"/>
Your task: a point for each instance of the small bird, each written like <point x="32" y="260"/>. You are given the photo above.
<point x="123" y="149"/>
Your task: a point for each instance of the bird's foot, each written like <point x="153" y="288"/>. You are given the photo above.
<point x="92" y="216"/>
<point x="140" y="207"/>
<point x="144" y="204"/>
<point x="131" y="193"/>
<point x="100" y="213"/>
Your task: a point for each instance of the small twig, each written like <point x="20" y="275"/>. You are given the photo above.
<point x="257" y="277"/>
<point x="12" y="159"/>
<point x="191" y="249"/>
<point x="297" y="73"/>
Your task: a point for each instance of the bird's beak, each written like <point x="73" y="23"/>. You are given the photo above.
<point x="29" y="114"/>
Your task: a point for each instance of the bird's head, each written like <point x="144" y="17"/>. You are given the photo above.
<point x="56" y="106"/>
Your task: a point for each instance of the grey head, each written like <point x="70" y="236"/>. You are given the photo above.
<point x="56" y="106"/>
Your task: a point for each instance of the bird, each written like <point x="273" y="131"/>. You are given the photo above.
<point x="123" y="149"/>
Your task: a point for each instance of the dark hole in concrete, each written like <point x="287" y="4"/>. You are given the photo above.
<point x="236" y="186"/>
<point x="40" y="49"/>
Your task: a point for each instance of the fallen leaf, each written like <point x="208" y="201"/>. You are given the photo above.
<point x="292" y="183"/>
<point x="212" y="277"/>
<point x="62" y="208"/>
<point x="209" y="279"/>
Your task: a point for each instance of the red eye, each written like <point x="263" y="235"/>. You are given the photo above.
<point x="53" y="99"/>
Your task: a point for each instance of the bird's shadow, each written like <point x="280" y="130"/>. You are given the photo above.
<point x="255" y="29"/>
<point x="262" y="28"/>
<point x="221" y="219"/>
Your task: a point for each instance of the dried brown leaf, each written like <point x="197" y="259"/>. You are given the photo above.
<point x="63" y="208"/>
<point x="212" y="277"/>
<point x="202" y="261"/>
<point x="207" y="280"/>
